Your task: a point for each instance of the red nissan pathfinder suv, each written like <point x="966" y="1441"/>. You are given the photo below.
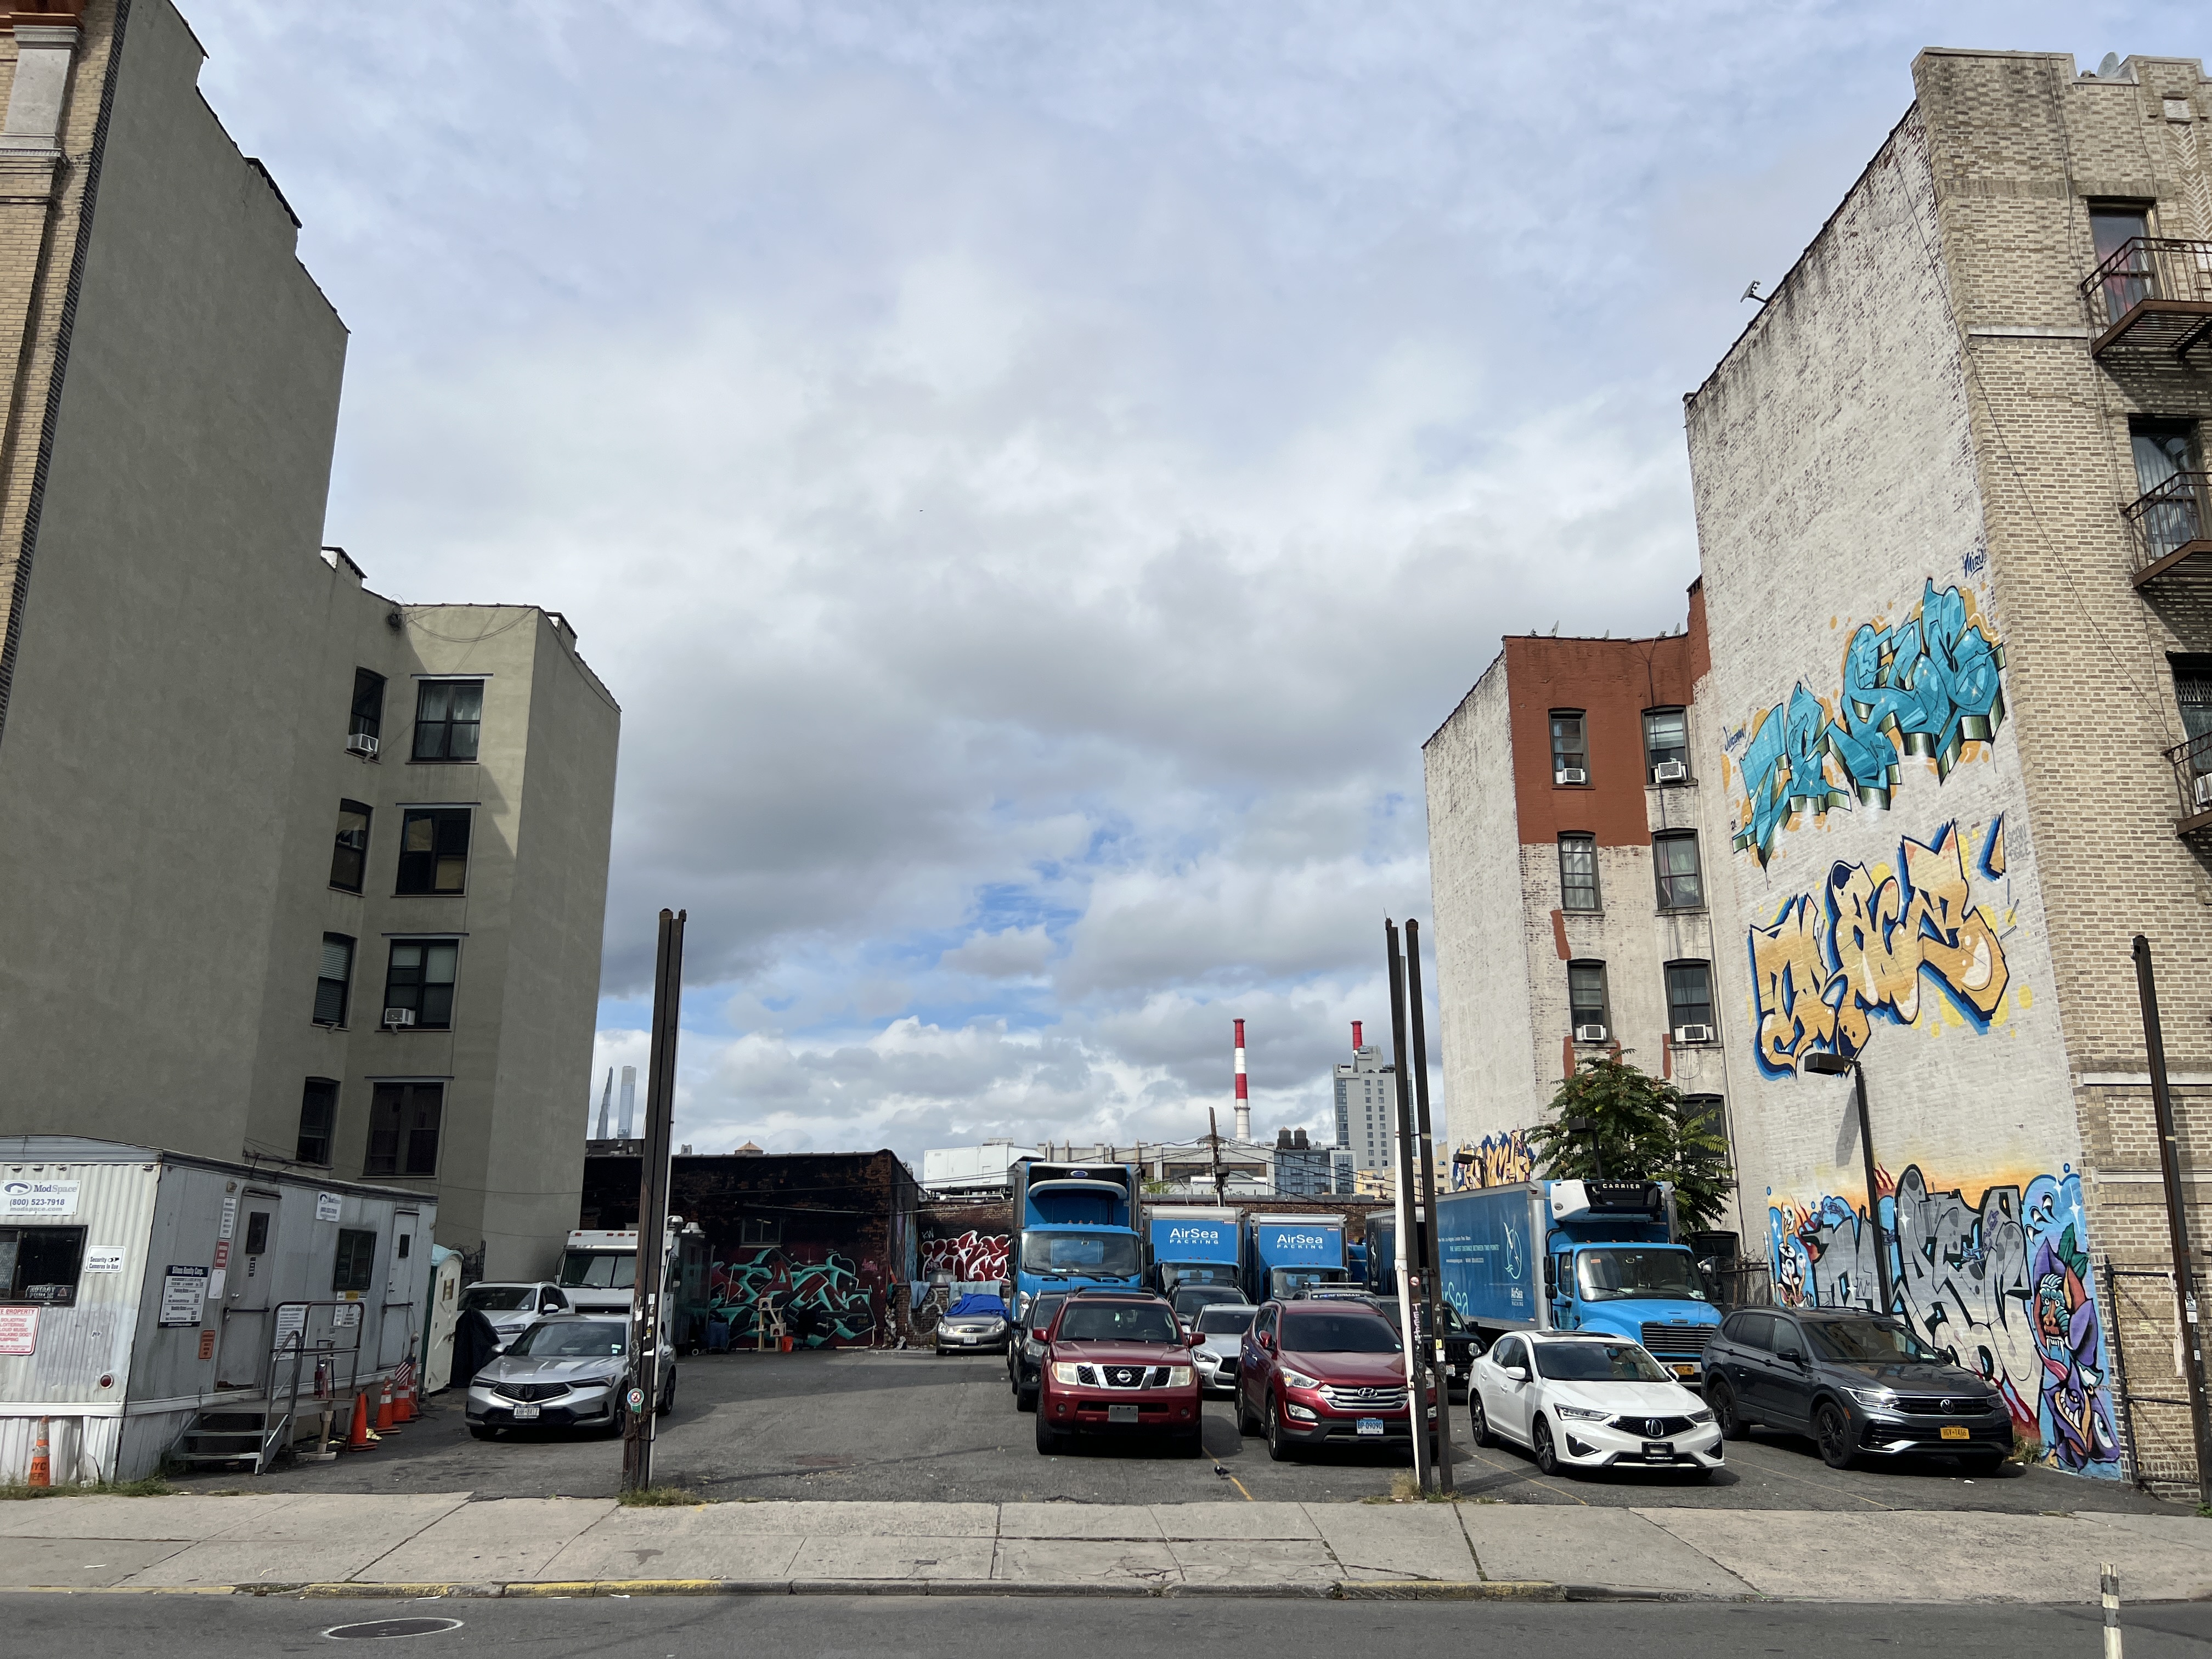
<point x="1117" y="1362"/>
<point x="1323" y="1373"/>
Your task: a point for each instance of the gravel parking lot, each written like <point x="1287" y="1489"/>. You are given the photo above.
<point x="909" y="1425"/>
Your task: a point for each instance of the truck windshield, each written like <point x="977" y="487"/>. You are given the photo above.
<point x="1080" y="1255"/>
<point x="1289" y="1281"/>
<point x="599" y="1270"/>
<point x="1617" y="1274"/>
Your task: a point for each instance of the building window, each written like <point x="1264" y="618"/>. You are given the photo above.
<point x="1690" y="999"/>
<point x="758" y="1233"/>
<point x="421" y="978"/>
<point x="40" y="1264"/>
<point x="1707" y="1115"/>
<point x="403" y="1128"/>
<point x="1569" y="748"/>
<point x="356" y="1263"/>
<point x="1586" y="1001"/>
<point x="2164" y="450"/>
<point x="2192" y="691"/>
<point x="319" y="1115"/>
<point x="1675" y="859"/>
<point x="368" y="705"/>
<point x="1578" y="872"/>
<point x="349" y="856"/>
<point x="448" y="714"/>
<point x="332" y="980"/>
<point x="433" y="849"/>
<point x="1666" y="745"/>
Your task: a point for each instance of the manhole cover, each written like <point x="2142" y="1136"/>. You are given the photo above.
<point x="377" y="1629"/>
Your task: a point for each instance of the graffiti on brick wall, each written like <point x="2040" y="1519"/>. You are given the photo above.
<point x="1926" y="687"/>
<point x="972" y="1258"/>
<point x="1867" y="945"/>
<point x="2001" y="1286"/>
<point x="827" y="1304"/>
<point x="1498" y="1160"/>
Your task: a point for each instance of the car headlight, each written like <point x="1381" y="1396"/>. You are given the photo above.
<point x="1701" y="1417"/>
<point x="1179" y="1376"/>
<point x="1064" y="1373"/>
<point x="1579" y="1414"/>
<point x="1299" y="1379"/>
<point x="1872" y="1396"/>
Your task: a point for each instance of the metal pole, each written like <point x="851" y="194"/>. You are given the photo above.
<point x="1416" y="1369"/>
<point x="2108" y="1592"/>
<point x="1431" y="1263"/>
<point x="1874" y="1195"/>
<point x="2177" y="1218"/>
<point x="650" y="1282"/>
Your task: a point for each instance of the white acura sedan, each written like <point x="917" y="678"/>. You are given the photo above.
<point x="1586" y="1401"/>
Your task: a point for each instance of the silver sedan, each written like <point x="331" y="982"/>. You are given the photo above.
<point x="1218" y="1336"/>
<point x="569" y="1372"/>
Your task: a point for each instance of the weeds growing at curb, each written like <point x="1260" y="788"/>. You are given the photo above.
<point x="662" y="1498"/>
<point x="152" y="1485"/>
<point x="1405" y="1490"/>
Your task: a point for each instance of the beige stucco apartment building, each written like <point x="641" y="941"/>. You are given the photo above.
<point x="213" y="883"/>
<point x="1955" y="738"/>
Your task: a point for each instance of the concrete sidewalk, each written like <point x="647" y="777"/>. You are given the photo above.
<point x="446" y="1544"/>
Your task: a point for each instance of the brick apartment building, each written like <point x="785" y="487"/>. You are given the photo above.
<point x="1949" y="744"/>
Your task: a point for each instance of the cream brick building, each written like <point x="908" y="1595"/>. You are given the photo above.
<point x="204" y="906"/>
<point x="1952" y="507"/>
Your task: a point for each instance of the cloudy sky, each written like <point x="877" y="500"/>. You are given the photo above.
<point x="1034" y="475"/>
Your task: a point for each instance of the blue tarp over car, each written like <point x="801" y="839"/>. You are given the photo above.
<point x="976" y="1302"/>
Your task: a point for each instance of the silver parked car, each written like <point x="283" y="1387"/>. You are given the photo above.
<point x="514" y="1309"/>
<point x="1219" y="1336"/>
<point x="974" y="1324"/>
<point x="569" y="1371"/>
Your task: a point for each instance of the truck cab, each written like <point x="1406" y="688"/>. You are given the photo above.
<point x="598" y="1268"/>
<point x="1611" y="1264"/>
<point x="1077" y="1227"/>
<point x="1286" y="1256"/>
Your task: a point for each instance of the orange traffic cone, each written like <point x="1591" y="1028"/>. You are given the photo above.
<point x="384" y="1407"/>
<point x="403" y="1407"/>
<point x="42" y="1462"/>
<point x="358" y="1438"/>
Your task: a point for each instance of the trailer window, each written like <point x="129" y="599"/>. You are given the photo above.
<point x="357" y="1260"/>
<point x="40" y="1264"/>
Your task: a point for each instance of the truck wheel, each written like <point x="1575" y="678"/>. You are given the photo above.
<point x="1478" y="1421"/>
<point x="1722" y="1398"/>
<point x="1050" y="1440"/>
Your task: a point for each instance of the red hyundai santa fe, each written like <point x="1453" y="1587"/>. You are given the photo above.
<point x="1323" y="1373"/>
<point x="1117" y="1361"/>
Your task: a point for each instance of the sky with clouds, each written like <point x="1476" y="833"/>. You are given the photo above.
<point x="1035" y="475"/>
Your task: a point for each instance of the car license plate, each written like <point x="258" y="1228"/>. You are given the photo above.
<point x="1658" y="1451"/>
<point x="526" y="1413"/>
<point x="1370" y="1425"/>
<point x="1956" y="1431"/>
<point x="1120" y="1414"/>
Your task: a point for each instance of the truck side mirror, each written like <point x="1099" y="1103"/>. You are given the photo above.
<point x="1550" y="1276"/>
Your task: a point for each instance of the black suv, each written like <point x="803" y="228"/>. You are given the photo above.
<point x="1860" y="1385"/>
<point x="1026" y="1346"/>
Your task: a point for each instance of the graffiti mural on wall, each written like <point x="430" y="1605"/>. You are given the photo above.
<point x="1927" y="687"/>
<point x="1822" y="973"/>
<point x="972" y="1258"/>
<point x="829" y="1304"/>
<point x="2001" y="1287"/>
<point x="1498" y="1160"/>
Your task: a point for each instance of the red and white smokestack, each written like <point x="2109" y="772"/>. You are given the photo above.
<point x="1355" y="1036"/>
<point x="1243" y="1105"/>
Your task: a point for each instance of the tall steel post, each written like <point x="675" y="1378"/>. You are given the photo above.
<point x="648" y="1295"/>
<point x="2177" y="1218"/>
<point x="1874" y="1195"/>
<point x="1416" y="1360"/>
<point x="1431" y="1251"/>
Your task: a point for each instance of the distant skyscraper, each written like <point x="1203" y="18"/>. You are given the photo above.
<point x="1366" y="1108"/>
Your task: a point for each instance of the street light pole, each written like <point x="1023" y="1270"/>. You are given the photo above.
<point x="1832" y="1066"/>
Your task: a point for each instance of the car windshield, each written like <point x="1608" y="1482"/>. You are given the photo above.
<point x="498" y="1298"/>
<point x="1225" y="1322"/>
<point x="1117" y="1321"/>
<point x="1338" y="1333"/>
<point x="599" y="1270"/>
<point x="1080" y="1255"/>
<point x="573" y="1339"/>
<point x="1866" y="1342"/>
<point x="1597" y="1361"/>
<point x="1616" y="1274"/>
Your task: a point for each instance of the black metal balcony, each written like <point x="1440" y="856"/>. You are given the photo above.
<point x="2171" y="526"/>
<point x="2192" y="779"/>
<point x="2152" y="295"/>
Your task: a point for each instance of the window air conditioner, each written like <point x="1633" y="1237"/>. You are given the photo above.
<point x="1694" y="1034"/>
<point x="2203" y="790"/>
<point x="362" y="744"/>
<point x="1670" y="772"/>
<point x="398" y="1016"/>
<point x="1589" y="1033"/>
<point x="1570" y="775"/>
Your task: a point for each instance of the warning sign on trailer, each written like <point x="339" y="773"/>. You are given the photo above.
<point x="183" y="1293"/>
<point x="19" y="1330"/>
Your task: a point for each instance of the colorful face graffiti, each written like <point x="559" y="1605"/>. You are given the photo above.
<point x="972" y="1258"/>
<point x="1926" y="687"/>
<point x="1820" y="976"/>
<point x="1498" y="1160"/>
<point x="2001" y="1287"/>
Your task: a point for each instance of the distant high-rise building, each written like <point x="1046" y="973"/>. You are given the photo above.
<point x="1366" y="1107"/>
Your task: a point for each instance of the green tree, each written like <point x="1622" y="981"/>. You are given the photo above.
<point x="1630" y="1125"/>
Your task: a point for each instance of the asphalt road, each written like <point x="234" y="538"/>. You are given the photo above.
<point x="900" y="1627"/>
<point x="909" y="1425"/>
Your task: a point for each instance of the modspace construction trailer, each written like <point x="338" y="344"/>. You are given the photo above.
<point x="158" y="1306"/>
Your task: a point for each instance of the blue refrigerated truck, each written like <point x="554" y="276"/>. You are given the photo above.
<point x="1076" y="1224"/>
<point x="1286" y="1255"/>
<point x="1594" y="1255"/>
<point x="1192" y="1245"/>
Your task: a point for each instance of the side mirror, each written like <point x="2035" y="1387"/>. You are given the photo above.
<point x="1551" y="1276"/>
<point x="1790" y="1354"/>
<point x="1517" y="1373"/>
<point x="1006" y="1290"/>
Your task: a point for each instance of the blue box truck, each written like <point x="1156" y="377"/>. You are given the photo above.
<point x="1076" y="1224"/>
<point x="1192" y="1245"/>
<point x="1594" y="1255"/>
<point x="1284" y="1255"/>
